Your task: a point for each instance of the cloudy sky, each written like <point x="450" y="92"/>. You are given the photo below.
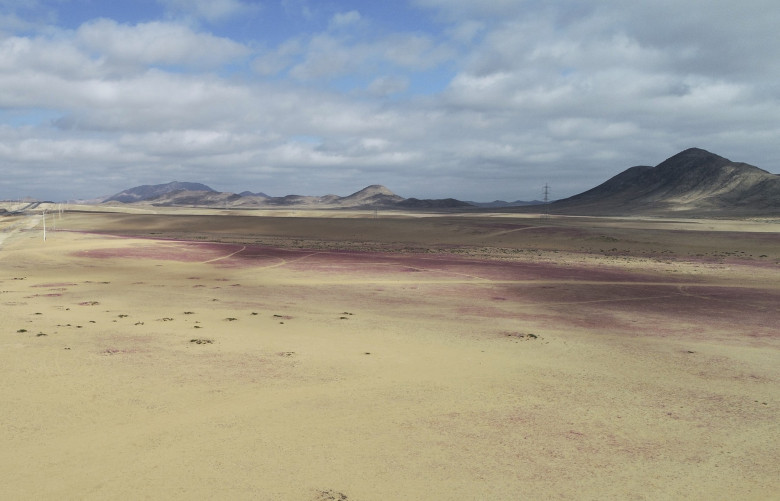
<point x="474" y="99"/>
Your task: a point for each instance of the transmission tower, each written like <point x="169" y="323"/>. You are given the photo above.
<point x="546" y="201"/>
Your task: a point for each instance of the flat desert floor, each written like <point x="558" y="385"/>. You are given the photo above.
<point x="325" y="357"/>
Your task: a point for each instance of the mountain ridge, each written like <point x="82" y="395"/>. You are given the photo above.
<point x="692" y="182"/>
<point x="149" y="191"/>
<point x="176" y="194"/>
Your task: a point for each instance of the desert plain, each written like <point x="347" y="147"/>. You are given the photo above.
<point x="186" y="354"/>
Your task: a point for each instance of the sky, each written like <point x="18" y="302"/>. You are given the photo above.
<point x="472" y="99"/>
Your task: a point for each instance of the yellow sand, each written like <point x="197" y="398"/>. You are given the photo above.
<point x="373" y="389"/>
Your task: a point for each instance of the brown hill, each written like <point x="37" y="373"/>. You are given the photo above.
<point x="371" y="197"/>
<point x="150" y="192"/>
<point x="693" y="182"/>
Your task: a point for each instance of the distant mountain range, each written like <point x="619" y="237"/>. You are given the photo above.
<point x="195" y="194"/>
<point x="496" y="204"/>
<point x="151" y="192"/>
<point x="693" y="182"/>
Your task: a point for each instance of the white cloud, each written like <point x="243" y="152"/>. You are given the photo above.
<point x="272" y="62"/>
<point x="328" y="55"/>
<point x="414" y="51"/>
<point x="210" y="10"/>
<point x="535" y="92"/>
<point x="344" y="19"/>
<point x="156" y="43"/>
<point x="388" y="85"/>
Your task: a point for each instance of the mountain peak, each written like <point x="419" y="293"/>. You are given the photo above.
<point x="693" y="181"/>
<point x="372" y="191"/>
<point x="692" y="158"/>
<point x="150" y="192"/>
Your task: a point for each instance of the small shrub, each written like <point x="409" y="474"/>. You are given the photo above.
<point x="201" y="341"/>
<point x="21" y="331"/>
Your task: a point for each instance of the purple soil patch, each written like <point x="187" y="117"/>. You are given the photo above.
<point x="659" y="310"/>
<point x="57" y="284"/>
<point x="361" y="263"/>
<point x="166" y="251"/>
<point x="565" y="295"/>
<point x="258" y="256"/>
<point x="460" y="268"/>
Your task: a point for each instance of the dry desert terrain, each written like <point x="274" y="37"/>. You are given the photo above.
<point x="186" y="354"/>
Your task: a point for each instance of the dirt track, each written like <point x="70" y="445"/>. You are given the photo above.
<point x="445" y="359"/>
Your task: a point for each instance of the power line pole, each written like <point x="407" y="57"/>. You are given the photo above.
<point x="546" y="200"/>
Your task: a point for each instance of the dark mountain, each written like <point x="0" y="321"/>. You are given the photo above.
<point x="497" y="204"/>
<point x="152" y="192"/>
<point x="443" y="203"/>
<point x="194" y="194"/>
<point x="693" y="182"/>
<point x="250" y="194"/>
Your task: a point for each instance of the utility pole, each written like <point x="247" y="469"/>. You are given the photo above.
<point x="44" y="225"/>
<point x="546" y="200"/>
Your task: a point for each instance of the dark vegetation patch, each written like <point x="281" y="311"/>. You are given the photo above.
<point x="330" y="495"/>
<point x="524" y="336"/>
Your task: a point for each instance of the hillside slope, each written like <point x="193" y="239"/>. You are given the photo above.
<point x="692" y="182"/>
<point x="151" y="192"/>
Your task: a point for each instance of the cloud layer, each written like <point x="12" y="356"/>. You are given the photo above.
<point x="465" y="98"/>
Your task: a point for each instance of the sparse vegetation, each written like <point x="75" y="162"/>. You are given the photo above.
<point x="201" y="341"/>
<point x="331" y="495"/>
<point x="523" y="335"/>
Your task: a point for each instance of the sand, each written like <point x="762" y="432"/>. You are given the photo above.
<point x="262" y="356"/>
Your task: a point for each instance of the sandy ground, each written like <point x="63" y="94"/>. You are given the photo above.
<point x="427" y="358"/>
